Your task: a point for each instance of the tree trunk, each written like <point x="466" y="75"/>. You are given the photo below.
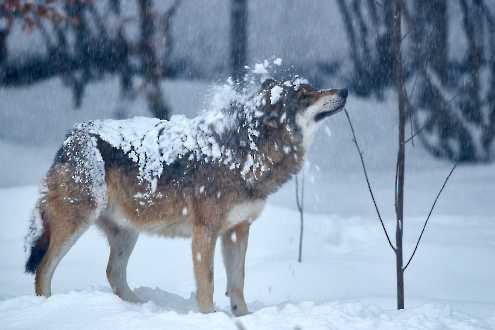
<point x="399" y="200"/>
<point x="151" y="62"/>
<point x="238" y="38"/>
<point x="431" y="34"/>
<point x="3" y="45"/>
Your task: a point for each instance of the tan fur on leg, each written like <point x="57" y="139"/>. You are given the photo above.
<point x="234" y="246"/>
<point x="62" y="239"/>
<point x="69" y="212"/>
<point x="203" y="249"/>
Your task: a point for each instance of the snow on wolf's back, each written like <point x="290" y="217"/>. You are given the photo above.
<point x="151" y="144"/>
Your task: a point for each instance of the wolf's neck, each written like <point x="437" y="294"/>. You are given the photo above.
<point x="269" y="162"/>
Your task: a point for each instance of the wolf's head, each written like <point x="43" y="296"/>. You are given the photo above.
<point x="299" y="107"/>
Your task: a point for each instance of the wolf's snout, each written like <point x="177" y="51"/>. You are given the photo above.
<point x="334" y="101"/>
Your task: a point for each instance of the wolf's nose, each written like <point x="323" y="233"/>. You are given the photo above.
<point x="343" y="92"/>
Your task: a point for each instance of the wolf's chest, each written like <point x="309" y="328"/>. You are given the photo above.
<point x="244" y="211"/>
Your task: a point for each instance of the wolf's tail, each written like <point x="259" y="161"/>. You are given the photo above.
<point x="38" y="236"/>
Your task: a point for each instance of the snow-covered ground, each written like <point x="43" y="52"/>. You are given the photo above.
<point x="346" y="279"/>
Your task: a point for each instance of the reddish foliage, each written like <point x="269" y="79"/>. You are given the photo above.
<point x="29" y="13"/>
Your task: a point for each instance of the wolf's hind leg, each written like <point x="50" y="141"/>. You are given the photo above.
<point x="203" y="250"/>
<point x="122" y="242"/>
<point x="234" y="246"/>
<point x="63" y="235"/>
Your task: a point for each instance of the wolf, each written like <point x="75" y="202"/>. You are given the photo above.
<point x="206" y="178"/>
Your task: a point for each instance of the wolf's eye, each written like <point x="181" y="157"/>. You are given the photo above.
<point x="302" y="93"/>
<point x="306" y="88"/>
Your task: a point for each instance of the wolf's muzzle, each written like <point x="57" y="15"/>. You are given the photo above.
<point x="337" y="103"/>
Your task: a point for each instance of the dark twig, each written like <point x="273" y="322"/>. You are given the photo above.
<point x="429" y="215"/>
<point x="300" y="208"/>
<point x="411" y="111"/>
<point x="415" y="134"/>
<point x="405" y="36"/>
<point x="367" y="178"/>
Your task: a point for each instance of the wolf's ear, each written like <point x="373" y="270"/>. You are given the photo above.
<point x="268" y="83"/>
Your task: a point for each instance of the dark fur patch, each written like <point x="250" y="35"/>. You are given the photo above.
<point x="59" y="156"/>
<point x="38" y="251"/>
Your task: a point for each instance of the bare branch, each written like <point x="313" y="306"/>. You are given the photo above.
<point x="429" y="215"/>
<point x="415" y="134"/>
<point x="405" y="36"/>
<point x="300" y="208"/>
<point x="413" y="88"/>
<point x="367" y="178"/>
<point x="299" y="198"/>
<point x="410" y="110"/>
<point x="302" y="193"/>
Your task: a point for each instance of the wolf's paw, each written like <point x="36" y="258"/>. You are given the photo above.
<point x="206" y="307"/>
<point x="207" y="310"/>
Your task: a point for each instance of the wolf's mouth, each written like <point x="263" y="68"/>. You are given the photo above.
<point x="328" y="113"/>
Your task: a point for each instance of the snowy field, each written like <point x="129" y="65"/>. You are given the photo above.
<point x="346" y="279"/>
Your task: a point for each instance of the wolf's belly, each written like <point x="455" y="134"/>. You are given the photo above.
<point x="170" y="226"/>
<point x="176" y="222"/>
<point x="179" y="228"/>
<point x="167" y="228"/>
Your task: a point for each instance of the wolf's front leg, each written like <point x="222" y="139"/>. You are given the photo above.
<point x="203" y="249"/>
<point x="234" y="246"/>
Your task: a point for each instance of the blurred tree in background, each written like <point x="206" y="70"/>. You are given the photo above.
<point x="238" y="38"/>
<point x="452" y="85"/>
<point x="86" y="40"/>
<point x="455" y="100"/>
<point x="448" y="49"/>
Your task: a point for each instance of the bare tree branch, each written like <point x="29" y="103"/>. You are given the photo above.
<point x="152" y="64"/>
<point x="367" y="178"/>
<point x="411" y="111"/>
<point x="429" y="215"/>
<point x="411" y="138"/>
<point x="300" y="208"/>
<point x="405" y="35"/>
